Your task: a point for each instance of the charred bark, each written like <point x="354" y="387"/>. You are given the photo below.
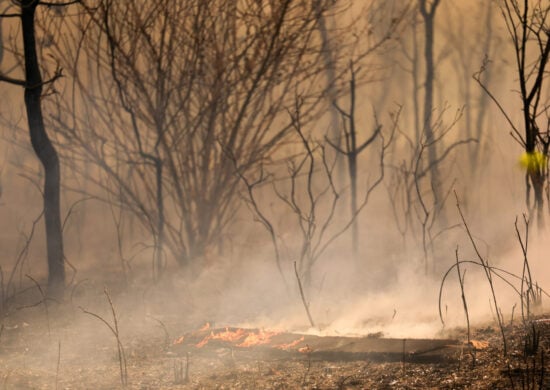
<point x="45" y="152"/>
<point x="351" y="151"/>
<point x="428" y="14"/>
<point x="529" y="28"/>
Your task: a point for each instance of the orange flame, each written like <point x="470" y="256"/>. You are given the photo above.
<point x="251" y="338"/>
<point x="260" y="338"/>
<point x="290" y="345"/>
<point x="305" y="349"/>
<point x="227" y="335"/>
<point x="204" y="341"/>
<point x="179" y="340"/>
<point x="205" y="327"/>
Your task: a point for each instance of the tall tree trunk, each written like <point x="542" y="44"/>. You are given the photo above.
<point x="45" y="151"/>
<point x="352" y="161"/>
<point x="158" y="262"/>
<point x="482" y="106"/>
<point x="415" y="77"/>
<point x="428" y="14"/>
<point x="351" y="151"/>
<point x="538" y="179"/>
<point x="332" y="93"/>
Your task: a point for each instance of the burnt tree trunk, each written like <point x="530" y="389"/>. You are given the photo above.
<point x="428" y="14"/>
<point x="533" y="28"/>
<point x="45" y="151"/>
<point x="351" y="151"/>
<point x="528" y="25"/>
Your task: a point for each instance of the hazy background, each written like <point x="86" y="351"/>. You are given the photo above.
<point x="386" y="288"/>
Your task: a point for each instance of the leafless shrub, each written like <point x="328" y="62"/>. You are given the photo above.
<point x="169" y="91"/>
<point x="309" y="192"/>
<point x="531" y="296"/>
<point x="115" y="331"/>
<point x="416" y="209"/>
<point x="527" y="291"/>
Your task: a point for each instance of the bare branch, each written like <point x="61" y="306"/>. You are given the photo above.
<point x="476" y="77"/>
<point x="13" y="81"/>
<point x="361" y="147"/>
<point x="335" y="147"/>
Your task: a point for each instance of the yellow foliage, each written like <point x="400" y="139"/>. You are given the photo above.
<point x="533" y="162"/>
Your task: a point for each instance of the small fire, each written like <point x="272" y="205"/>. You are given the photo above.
<point x="179" y="340"/>
<point x="260" y="338"/>
<point x="292" y="344"/>
<point x="204" y="341"/>
<point x="228" y="335"/>
<point x="305" y="350"/>
<point x="205" y="327"/>
<point x="251" y="338"/>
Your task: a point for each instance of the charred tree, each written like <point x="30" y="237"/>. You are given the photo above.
<point x="351" y="151"/>
<point x="45" y="151"/>
<point x="154" y="157"/>
<point x="528" y="25"/>
<point x="309" y="192"/>
<point x="190" y="91"/>
<point x="42" y="146"/>
<point x="483" y="101"/>
<point x="330" y="69"/>
<point x="467" y="50"/>
<point x="535" y="27"/>
<point x="428" y="11"/>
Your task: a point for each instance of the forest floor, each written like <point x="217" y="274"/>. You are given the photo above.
<point x="66" y="347"/>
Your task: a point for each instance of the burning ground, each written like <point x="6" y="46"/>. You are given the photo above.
<point x="69" y="347"/>
<point x="247" y="334"/>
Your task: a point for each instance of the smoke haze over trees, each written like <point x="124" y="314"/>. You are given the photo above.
<point x="210" y="137"/>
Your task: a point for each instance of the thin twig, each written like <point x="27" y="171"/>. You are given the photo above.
<point x="166" y="334"/>
<point x="488" y="275"/>
<point x="304" y="301"/>
<point x="464" y="303"/>
<point x="43" y="301"/>
<point x="115" y="331"/>
<point x="58" y="364"/>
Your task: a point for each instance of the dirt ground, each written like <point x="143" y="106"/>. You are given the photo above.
<point x="68" y="347"/>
